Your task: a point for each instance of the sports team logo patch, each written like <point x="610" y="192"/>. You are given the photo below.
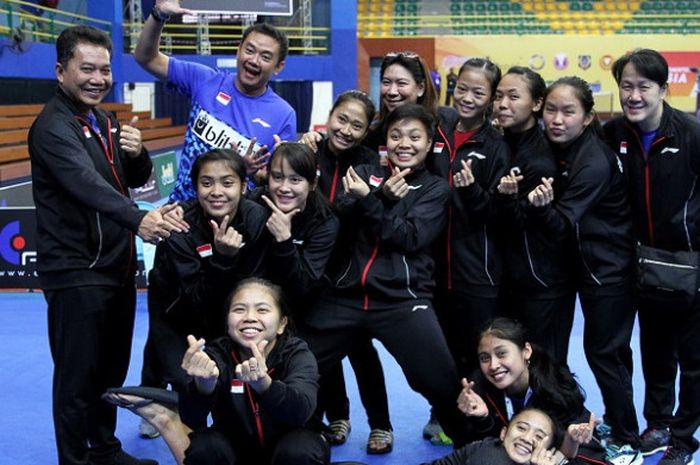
<point x="623" y="147"/>
<point x="223" y="98"/>
<point x="236" y="386"/>
<point x="375" y="181"/>
<point x="205" y="250"/>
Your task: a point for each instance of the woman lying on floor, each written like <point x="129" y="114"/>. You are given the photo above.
<point x="258" y="382"/>
<point x="528" y="439"/>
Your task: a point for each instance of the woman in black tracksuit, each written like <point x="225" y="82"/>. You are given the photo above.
<point x="348" y="123"/>
<point x="382" y="282"/>
<point x="537" y="268"/>
<point x="259" y="383"/>
<point x="592" y="211"/>
<point x="302" y="227"/>
<point x="515" y="375"/>
<point x="194" y="271"/>
<point x="472" y="160"/>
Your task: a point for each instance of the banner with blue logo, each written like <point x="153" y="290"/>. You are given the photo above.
<point x="18" y="248"/>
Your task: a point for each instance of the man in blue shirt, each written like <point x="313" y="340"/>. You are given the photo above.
<point x="227" y="111"/>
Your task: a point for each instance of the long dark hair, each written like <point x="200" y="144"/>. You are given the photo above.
<point x="535" y="84"/>
<point x="554" y="388"/>
<point x="305" y="163"/>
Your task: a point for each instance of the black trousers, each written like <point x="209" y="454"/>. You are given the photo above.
<point x="462" y="315"/>
<point x="90" y="332"/>
<point x="412" y="335"/>
<point x="607" y="333"/>
<point x="370" y="383"/>
<point x="549" y="320"/>
<point x="166" y="344"/>
<point x="670" y="339"/>
<point x="296" y="447"/>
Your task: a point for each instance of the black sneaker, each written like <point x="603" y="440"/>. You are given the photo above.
<point x="654" y="440"/>
<point x="675" y="455"/>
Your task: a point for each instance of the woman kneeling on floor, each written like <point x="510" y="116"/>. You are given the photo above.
<point x="259" y="383"/>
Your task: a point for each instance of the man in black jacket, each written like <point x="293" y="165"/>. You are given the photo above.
<point x="82" y="166"/>
<point x="660" y="149"/>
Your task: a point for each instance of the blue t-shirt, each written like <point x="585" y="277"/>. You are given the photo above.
<point x="221" y="115"/>
<point x="647" y="139"/>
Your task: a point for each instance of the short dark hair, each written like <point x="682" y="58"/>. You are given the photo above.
<point x="231" y="157"/>
<point x="649" y="63"/>
<point x="412" y="111"/>
<point x="72" y="36"/>
<point x="270" y="31"/>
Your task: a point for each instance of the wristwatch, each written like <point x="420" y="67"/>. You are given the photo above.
<point x="158" y="16"/>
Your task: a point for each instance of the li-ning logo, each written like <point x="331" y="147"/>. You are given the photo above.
<point x="12" y="245"/>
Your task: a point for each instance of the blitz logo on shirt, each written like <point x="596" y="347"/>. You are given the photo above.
<point x="220" y="135"/>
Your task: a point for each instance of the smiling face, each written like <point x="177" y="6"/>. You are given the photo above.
<point x="407" y="143"/>
<point x="399" y="87"/>
<point x="87" y="77"/>
<point x="472" y="96"/>
<point x="254" y="315"/>
<point x="526" y="431"/>
<point x="219" y="190"/>
<point x="257" y="62"/>
<point x="504" y="364"/>
<point x="288" y="189"/>
<point x="513" y="104"/>
<point x="564" y="116"/>
<point x="347" y="126"/>
<point x="641" y="99"/>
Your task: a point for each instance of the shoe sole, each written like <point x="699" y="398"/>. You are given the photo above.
<point x="654" y="451"/>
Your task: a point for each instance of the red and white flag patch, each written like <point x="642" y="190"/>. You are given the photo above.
<point x="223" y="98"/>
<point x="437" y="148"/>
<point x="204" y="251"/>
<point x="623" y="147"/>
<point x="87" y="133"/>
<point x="375" y="181"/>
<point x="236" y="386"/>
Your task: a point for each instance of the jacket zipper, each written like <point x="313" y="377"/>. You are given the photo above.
<point x="365" y="272"/>
<point x="668" y="264"/>
<point x="335" y="182"/>
<point x="529" y="259"/>
<point x="408" y="277"/>
<point x="452" y="156"/>
<point x="583" y="258"/>
<point x="99" y="244"/>
<point x="647" y="182"/>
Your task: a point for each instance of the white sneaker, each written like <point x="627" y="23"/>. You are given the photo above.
<point x="623" y="455"/>
<point x="147" y="430"/>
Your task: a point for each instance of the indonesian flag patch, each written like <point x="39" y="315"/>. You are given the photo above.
<point x="223" y="98"/>
<point x="382" y="151"/>
<point x="86" y="131"/>
<point x="236" y="386"/>
<point x="437" y="148"/>
<point x="375" y="181"/>
<point x="204" y="250"/>
<point x="623" y="147"/>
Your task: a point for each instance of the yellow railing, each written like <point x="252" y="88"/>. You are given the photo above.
<point x="47" y="28"/>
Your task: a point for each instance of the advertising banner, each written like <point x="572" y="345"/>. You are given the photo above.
<point x="589" y="57"/>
